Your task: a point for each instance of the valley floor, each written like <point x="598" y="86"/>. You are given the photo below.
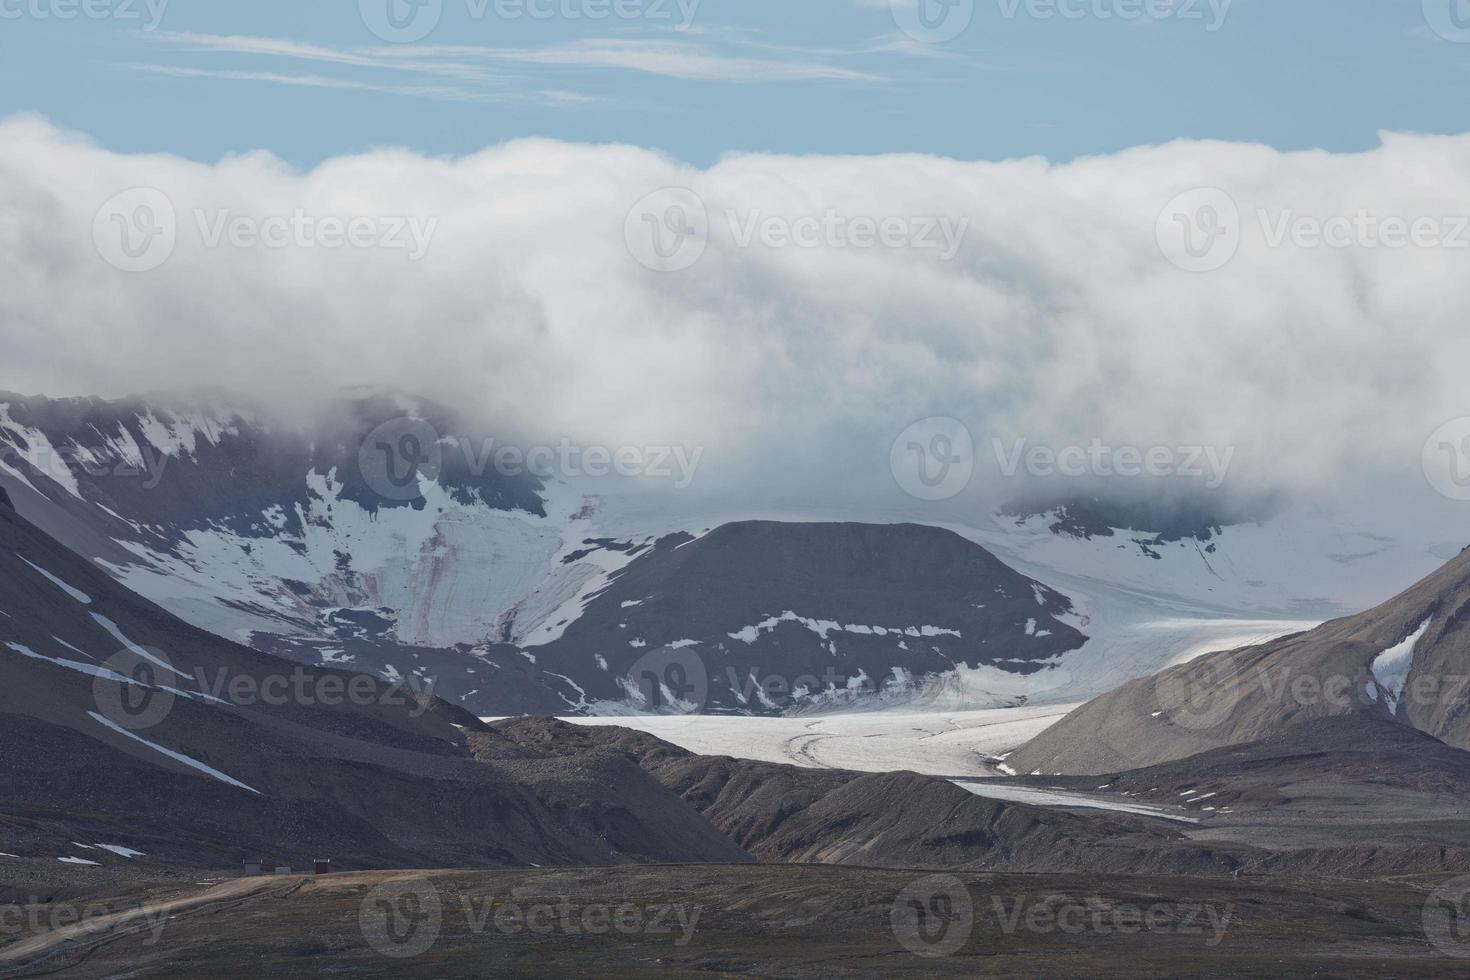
<point x="794" y="921"/>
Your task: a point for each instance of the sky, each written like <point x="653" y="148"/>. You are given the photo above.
<point x="701" y="78"/>
<point x="840" y="247"/>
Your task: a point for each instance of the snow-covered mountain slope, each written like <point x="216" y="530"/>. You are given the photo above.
<point x="302" y="540"/>
<point x="501" y="589"/>
<point x="208" y="502"/>
<point x="332" y="541"/>
<point x="761" y="617"/>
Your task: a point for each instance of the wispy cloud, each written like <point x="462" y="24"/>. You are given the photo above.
<point x="438" y="92"/>
<point x="297" y="50"/>
<point x="482" y="73"/>
<point x="684" y="60"/>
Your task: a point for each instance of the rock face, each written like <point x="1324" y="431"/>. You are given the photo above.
<point x="1406" y="661"/>
<point x="760" y="617"/>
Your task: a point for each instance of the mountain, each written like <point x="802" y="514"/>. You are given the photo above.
<point x="129" y="733"/>
<point x="133" y="737"/>
<point x="762" y="617"/>
<point x="386" y="534"/>
<point x="247" y="524"/>
<point x="1405" y="661"/>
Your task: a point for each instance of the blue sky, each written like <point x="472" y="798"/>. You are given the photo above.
<point x="310" y="80"/>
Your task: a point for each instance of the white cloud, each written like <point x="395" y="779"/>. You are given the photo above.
<point x="1059" y="320"/>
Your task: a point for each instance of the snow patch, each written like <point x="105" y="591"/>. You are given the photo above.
<point x="76" y="594"/>
<point x="1391" y="667"/>
<point x="176" y="756"/>
<point x="92" y="670"/>
<point x="132" y="647"/>
<point x="32" y="446"/>
<point x="822" y="627"/>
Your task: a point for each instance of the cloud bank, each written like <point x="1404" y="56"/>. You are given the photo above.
<point x="814" y="322"/>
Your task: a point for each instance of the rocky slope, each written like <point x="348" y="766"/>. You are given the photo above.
<point x="1406" y="661"/>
